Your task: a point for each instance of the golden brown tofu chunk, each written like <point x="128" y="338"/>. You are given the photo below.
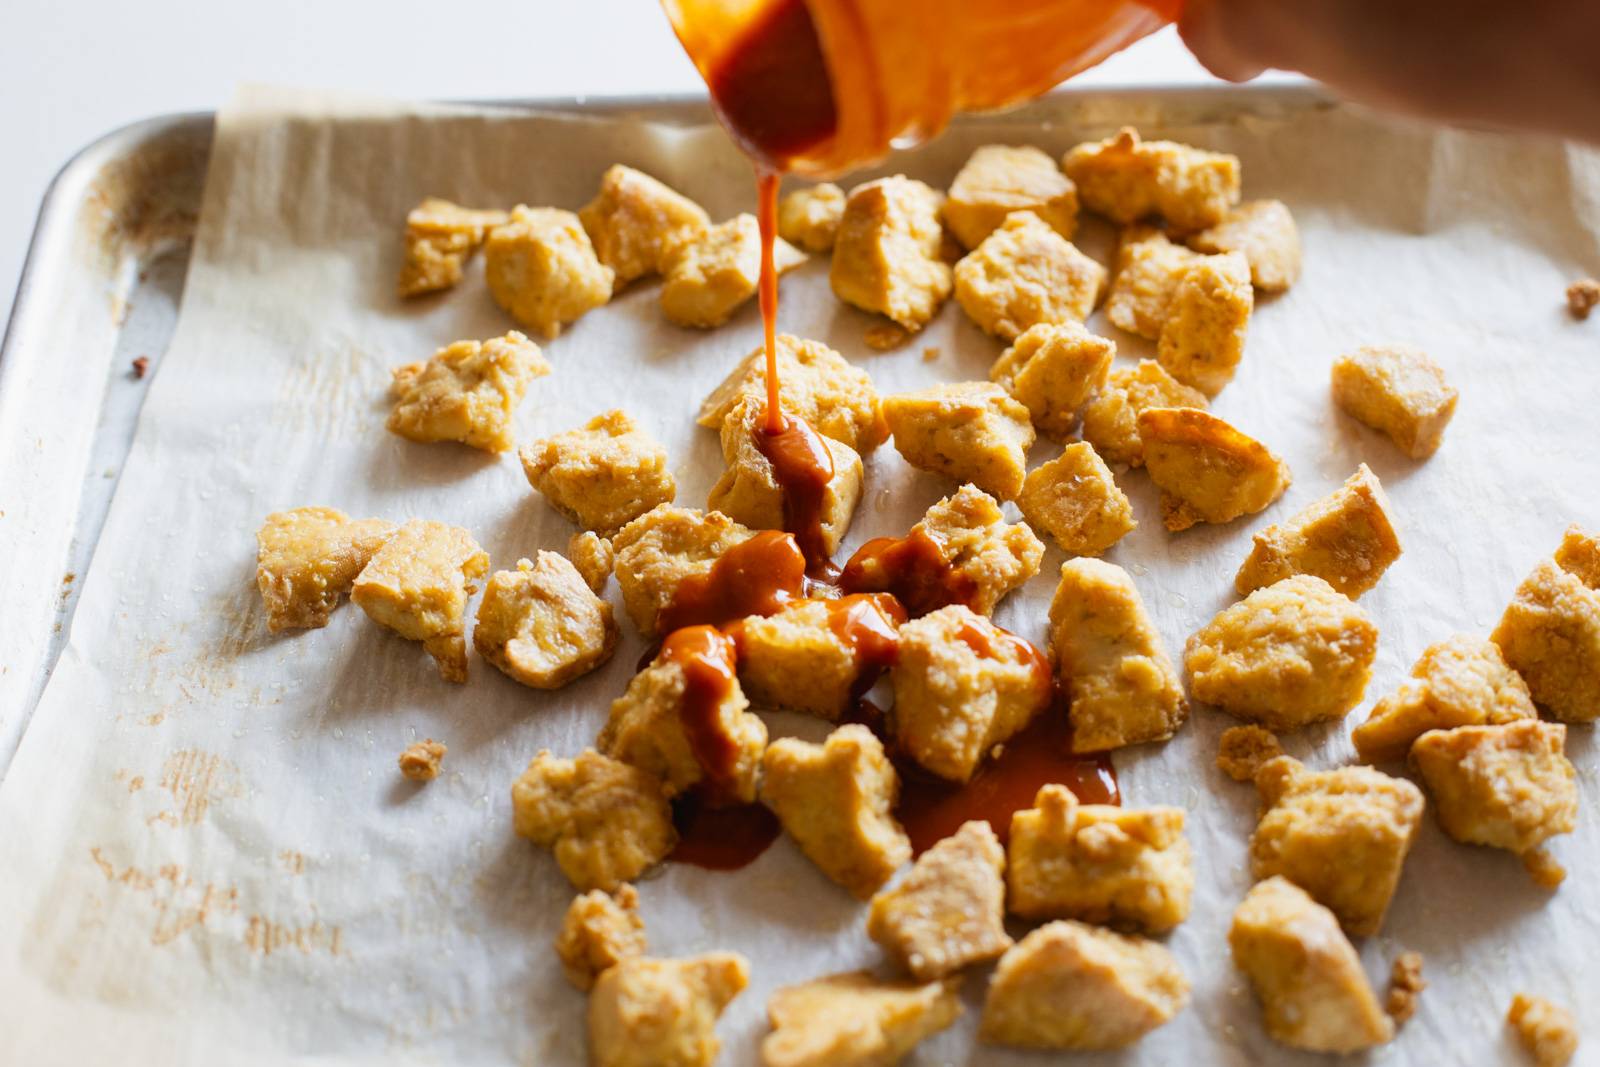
<point x="440" y="237"/>
<point x="997" y="180"/>
<point x="417" y="585"/>
<point x="1579" y="555"/>
<point x="1207" y="470"/>
<point x="1341" y="835"/>
<point x="603" y="475"/>
<point x="1075" y="500"/>
<point x="599" y="931"/>
<point x="1314" y="994"/>
<point x="1024" y="274"/>
<point x="962" y="686"/>
<point x="662" y="547"/>
<point x="836" y="800"/>
<point x="1125" y="867"/>
<point x="855" y="1020"/>
<point x="1346" y="538"/>
<point x="820" y="387"/>
<point x="467" y="392"/>
<point x="593" y="556"/>
<point x="1550" y="634"/>
<point x="1149" y="268"/>
<point x="421" y="760"/>
<point x="648" y="1012"/>
<point x="606" y="822"/>
<point x="1202" y="339"/>
<point x="970" y="431"/>
<point x="635" y="220"/>
<point x="809" y="217"/>
<point x="1264" y="232"/>
<point x="1294" y="653"/>
<point x="542" y="625"/>
<point x="1127" y="179"/>
<point x="307" y="558"/>
<point x="949" y="911"/>
<point x="1508" y="786"/>
<point x="810" y="655"/>
<point x="1111" y="417"/>
<point x="1399" y="390"/>
<point x="710" y="275"/>
<point x="1242" y="750"/>
<point x="1461" y="681"/>
<point x="1068" y="985"/>
<point x="542" y="270"/>
<point x="1546" y="1029"/>
<point x="886" y="252"/>
<point x="1053" y="370"/>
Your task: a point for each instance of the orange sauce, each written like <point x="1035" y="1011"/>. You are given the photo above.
<point x="707" y="657"/>
<point x="767" y="217"/>
<point x="721" y="837"/>
<point x="777" y="57"/>
<point x="802" y="466"/>
<point x="912" y="568"/>
<point x="755" y="577"/>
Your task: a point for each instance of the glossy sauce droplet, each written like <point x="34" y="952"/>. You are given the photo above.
<point x="802" y="466"/>
<point x="707" y="658"/>
<point x="913" y="568"/>
<point x="720" y="838"/>
<point x="868" y="624"/>
<point x="757" y="576"/>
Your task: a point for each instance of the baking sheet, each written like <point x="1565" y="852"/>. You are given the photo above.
<point x="204" y="846"/>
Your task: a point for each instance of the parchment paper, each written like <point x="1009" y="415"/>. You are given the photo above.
<point x="206" y="853"/>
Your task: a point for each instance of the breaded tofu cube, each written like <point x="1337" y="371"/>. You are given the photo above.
<point x="1461" y="681"/>
<point x="417" y="585"/>
<point x="1202" y="339"/>
<point x="949" y="911"/>
<point x="606" y="822"/>
<point x="603" y="475"/>
<point x="962" y="686"/>
<point x="1265" y="233"/>
<point x="1508" y="786"/>
<point x="1075" y="500"/>
<point x="1111" y="417"/>
<point x="422" y="760"/>
<point x="809" y="217"/>
<point x="997" y="180"/>
<point x="855" y="1020"/>
<point x="827" y="391"/>
<point x="1294" y="653"/>
<point x="1149" y="268"/>
<point x="1346" y="538"/>
<point x="466" y="392"/>
<point x="1024" y="274"/>
<point x="662" y="547"/>
<point x="886" y="251"/>
<point x="648" y="1012"/>
<point x="1546" y="1029"/>
<point x="1550" y="634"/>
<point x="1207" y="470"/>
<point x="808" y="656"/>
<point x="1111" y="660"/>
<point x="1242" y="750"/>
<point x="307" y="558"/>
<point x="1126" y="179"/>
<point x="1342" y="835"/>
<point x="599" y="931"/>
<point x="1314" y="994"/>
<point x="970" y="431"/>
<point x="592" y="555"/>
<point x="837" y="800"/>
<point x="1124" y="867"/>
<point x="542" y="625"/>
<point x="1397" y="389"/>
<point x="440" y="237"/>
<point x="710" y="275"/>
<point x="542" y="270"/>
<point x="635" y="220"/>
<point x="1053" y="370"/>
<point x="1069" y="985"/>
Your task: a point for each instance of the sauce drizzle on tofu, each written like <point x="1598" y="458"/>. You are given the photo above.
<point x="708" y="659"/>
<point x="757" y="576"/>
<point x="912" y="568"/>
<point x="803" y="467"/>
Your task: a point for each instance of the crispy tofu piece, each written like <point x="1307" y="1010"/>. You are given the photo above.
<point x="1111" y="417"/>
<point x="542" y="270"/>
<point x="997" y="180"/>
<point x="662" y="547"/>
<point x="1550" y="634"/>
<point x="1025" y="274"/>
<point x="1461" y="681"/>
<point x="836" y="800"/>
<point x="1314" y="994"/>
<point x="635" y="220"/>
<point x="970" y="431"/>
<point x="417" y="585"/>
<point x="1207" y="470"/>
<point x="1053" y="370"/>
<point x="647" y="1012"/>
<point x="1111" y="659"/>
<point x="1579" y="555"/>
<point x="962" y="686"/>
<point x="886" y="252"/>
<point x="1149" y="268"/>
<point x="1262" y="231"/>
<point x="1202" y="339"/>
<point x="606" y="822"/>
<point x="421" y="759"/>
<point x="467" y="392"/>
<point x="710" y="275"/>
<point x="593" y="556"/>
<point x="1068" y="985"/>
<point x="949" y="911"/>
<point x="603" y="475"/>
<point x="855" y="1020"/>
<point x="307" y="558"/>
<point x="1124" y="867"/>
<point x="1346" y="538"/>
<point x="805" y="657"/>
<point x="599" y="931"/>
<point x="1507" y="786"/>
<point x="1242" y="750"/>
<point x="1294" y="653"/>
<point x="1399" y="390"/>
<point x="1126" y="179"/>
<point x="1075" y="500"/>
<point x="809" y="217"/>
<point x="1546" y="1029"/>
<point x="1341" y="835"/>
<point x="833" y="396"/>
<point x="440" y="237"/>
<point x="542" y="625"/>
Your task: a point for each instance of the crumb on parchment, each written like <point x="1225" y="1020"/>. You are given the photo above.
<point x="1243" y="749"/>
<point x="1548" y="1031"/>
<point x="885" y="335"/>
<point x="1545" y="870"/>
<point x="141" y="366"/>
<point x="1405" y="987"/>
<point x="1582" y="296"/>
<point x="420" y="761"/>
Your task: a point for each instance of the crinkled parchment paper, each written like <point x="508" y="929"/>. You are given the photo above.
<point x="206" y="853"/>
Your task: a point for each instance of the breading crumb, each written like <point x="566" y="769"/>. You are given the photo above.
<point x="420" y="762"/>
<point x="930" y="354"/>
<point x="885" y="336"/>
<point x="1582" y="297"/>
<point x="1548" y="1031"/>
<point x="1242" y="749"/>
<point x="141" y="364"/>
<point x="1405" y="987"/>
<point x="1545" y="870"/>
